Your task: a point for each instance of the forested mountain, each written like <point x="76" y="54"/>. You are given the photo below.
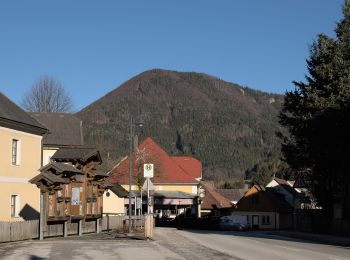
<point x="228" y="127"/>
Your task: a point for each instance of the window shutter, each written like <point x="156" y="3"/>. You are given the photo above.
<point x="19" y="152"/>
<point x="17" y="206"/>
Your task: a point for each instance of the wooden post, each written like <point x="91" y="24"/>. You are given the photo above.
<point x="80" y="227"/>
<point x="42" y="216"/>
<point x="65" y="229"/>
<point x="97" y="225"/>
<point x="107" y="222"/>
<point x="149" y="226"/>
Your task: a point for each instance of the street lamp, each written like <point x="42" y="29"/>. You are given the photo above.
<point x="132" y="125"/>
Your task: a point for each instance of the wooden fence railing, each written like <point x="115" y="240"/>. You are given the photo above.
<point x="22" y="230"/>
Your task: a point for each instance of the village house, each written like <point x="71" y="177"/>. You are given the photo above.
<point x="285" y="188"/>
<point x="66" y="131"/>
<point x="72" y="186"/>
<point x="20" y="158"/>
<point x="214" y="204"/>
<point x="233" y="195"/>
<point x="174" y="185"/>
<point x="265" y="209"/>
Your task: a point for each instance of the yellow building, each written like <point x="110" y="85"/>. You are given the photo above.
<point x="20" y="158"/>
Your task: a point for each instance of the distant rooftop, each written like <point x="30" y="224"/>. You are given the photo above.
<point x="232" y="194"/>
<point x="214" y="199"/>
<point x="65" y="129"/>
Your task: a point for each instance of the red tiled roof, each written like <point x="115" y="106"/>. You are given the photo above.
<point x="191" y="165"/>
<point x="214" y="199"/>
<point x="166" y="170"/>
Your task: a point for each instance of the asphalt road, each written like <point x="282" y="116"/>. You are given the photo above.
<point x="171" y="244"/>
<point x="167" y="245"/>
<point x="261" y="245"/>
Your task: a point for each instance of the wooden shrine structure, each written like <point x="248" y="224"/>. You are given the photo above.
<point x="71" y="188"/>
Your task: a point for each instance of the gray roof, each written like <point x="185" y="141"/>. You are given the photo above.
<point x="65" y="129"/>
<point x="11" y="114"/>
<point x="232" y="194"/>
<point x="118" y="190"/>
<point x="75" y="154"/>
<point x="173" y="194"/>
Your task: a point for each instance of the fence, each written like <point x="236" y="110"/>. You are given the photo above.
<point x="22" y="230"/>
<point x="14" y="231"/>
<point x="315" y="220"/>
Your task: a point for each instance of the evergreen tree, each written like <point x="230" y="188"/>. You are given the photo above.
<point x="316" y="115"/>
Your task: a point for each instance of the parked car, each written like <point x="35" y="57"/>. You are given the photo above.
<point x="232" y="223"/>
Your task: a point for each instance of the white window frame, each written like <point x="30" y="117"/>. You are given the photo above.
<point x="16" y="206"/>
<point x="17" y="151"/>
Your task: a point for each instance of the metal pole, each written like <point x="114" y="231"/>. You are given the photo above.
<point x="42" y="216"/>
<point x="148" y="201"/>
<point x="135" y="206"/>
<point x="141" y="202"/>
<point x="130" y="170"/>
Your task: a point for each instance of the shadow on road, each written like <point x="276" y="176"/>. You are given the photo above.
<point x="296" y="237"/>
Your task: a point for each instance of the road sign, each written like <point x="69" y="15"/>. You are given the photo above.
<point x="148" y="169"/>
<point x="150" y="185"/>
<point x="138" y="203"/>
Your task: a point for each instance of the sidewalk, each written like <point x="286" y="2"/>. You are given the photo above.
<point x="314" y="237"/>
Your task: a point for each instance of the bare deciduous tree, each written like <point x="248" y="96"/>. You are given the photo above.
<point x="47" y="95"/>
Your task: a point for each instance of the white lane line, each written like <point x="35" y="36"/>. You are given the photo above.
<point x="290" y="248"/>
<point x="335" y="258"/>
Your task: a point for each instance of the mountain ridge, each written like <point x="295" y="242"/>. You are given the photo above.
<point x="227" y="126"/>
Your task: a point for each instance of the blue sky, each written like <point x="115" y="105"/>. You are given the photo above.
<point x="94" y="46"/>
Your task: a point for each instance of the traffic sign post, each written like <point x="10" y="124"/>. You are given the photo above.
<point x="148" y="172"/>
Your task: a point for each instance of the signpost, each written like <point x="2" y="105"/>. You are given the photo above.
<point x="148" y="171"/>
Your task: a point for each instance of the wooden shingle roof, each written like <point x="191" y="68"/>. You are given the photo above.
<point x="60" y="168"/>
<point x="81" y="154"/>
<point x="47" y="177"/>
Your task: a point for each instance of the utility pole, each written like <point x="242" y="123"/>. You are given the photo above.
<point x="130" y="169"/>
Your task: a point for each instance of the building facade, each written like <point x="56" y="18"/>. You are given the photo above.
<point x="20" y="158"/>
<point x="265" y="209"/>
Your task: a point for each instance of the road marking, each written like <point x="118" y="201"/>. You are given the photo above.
<point x="290" y="248"/>
<point x="335" y="258"/>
